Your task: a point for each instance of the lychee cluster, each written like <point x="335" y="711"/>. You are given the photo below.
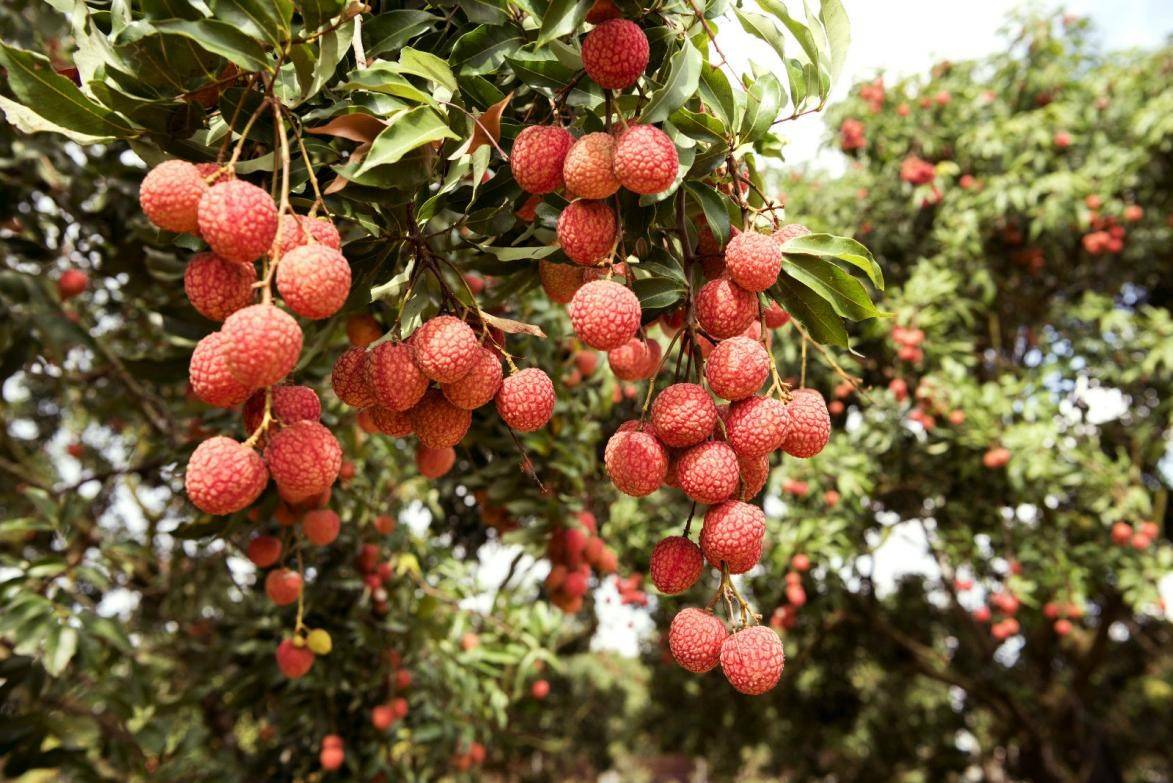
<point x="573" y="551"/>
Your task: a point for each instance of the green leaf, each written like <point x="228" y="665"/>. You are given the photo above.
<point x="394" y="286"/>
<point x="765" y="28"/>
<point x="801" y="32"/>
<point x="658" y="293"/>
<point x="717" y="94"/>
<point x="57" y="100"/>
<point x="384" y="77"/>
<point x="812" y="311"/>
<point x="680" y="85"/>
<point x="484" y="49"/>
<point x="405" y="133"/>
<point x="703" y="127"/>
<point x="762" y="105"/>
<point x="219" y="38"/>
<point x="713" y="205"/>
<point x="844" y="292"/>
<point x="268" y="20"/>
<point x="390" y="30"/>
<point x="60" y="645"/>
<point x="838" y="29"/>
<point x="843" y="248"/>
<point x="562" y="17"/>
<point x="427" y="66"/>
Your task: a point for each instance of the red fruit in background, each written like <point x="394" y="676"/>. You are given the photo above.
<point x="982" y="614"/>
<point x="810" y="424"/>
<point x="732" y="534"/>
<point x="1133" y="213"/>
<point x="800" y="562"/>
<point x="399" y="707"/>
<point x="385" y="524"/>
<point x="615" y="54"/>
<point x="349" y="378"/>
<point x="321" y="526"/>
<point x="402" y="679"/>
<point x="238" y="220"/>
<point x="774" y="316"/>
<point x="560" y="281"/>
<point x="1062" y="140"/>
<point x="304" y="459"/>
<point x="294" y="662"/>
<point x="382" y="717"/>
<point x="73" y="282"/>
<point x="540" y="689"/>
<point x="170" y="196"/>
<point x="683" y="415"/>
<point x="264" y="551"/>
<point x="737" y="367"/>
<point x="287" y="405"/>
<point x="695" y="638"/>
<point x="362" y="330"/>
<point x="224" y="476"/>
<point x="331" y="758"/>
<point x="676" y="564"/>
<point x="537" y="157"/>
<point x="587" y="231"/>
<point x="752" y="659"/>
<point x="646" y="159"/>
<point x="526" y="400"/>
<point x="434" y="463"/>
<point x="283" y="586"/>
<point x="1062" y="627"/>
<point x="996" y="457"/>
<point x="445" y="349"/>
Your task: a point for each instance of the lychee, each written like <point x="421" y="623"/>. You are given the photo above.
<point x="217" y="288"/>
<point x="630" y="361"/>
<point x="754" y="474"/>
<point x="299" y="230"/>
<point x="362" y="329"/>
<point x="810" y="424"/>
<point x="238" y="220"/>
<point x="708" y="473"/>
<point x="724" y="309"/>
<point x="262" y="344"/>
<point x="434" y="463"/>
<point x="349" y="378"/>
<point x="604" y="314"/>
<point x="676" y="564"/>
<point x="732" y="534"/>
<point x="683" y="415"/>
<point x="170" y="195"/>
<point x="208" y="372"/>
<point x="636" y="462"/>
<point x="397" y="424"/>
<point x="646" y="160"/>
<point x="538" y="154"/>
<point x="526" y="400"/>
<point x="737" y="367"/>
<point x="437" y="422"/>
<point x="757" y="426"/>
<point x="560" y="281"/>
<point x="444" y="348"/>
<point x="393" y="377"/>
<point x="789" y="232"/>
<point x="589" y="169"/>
<point x="695" y="638"/>
<point x="753" y="260"/>
<point x="540" y="689"/>
<point x="304" y="459"/>
<point x="774" y="316"/>
<point x="615" y="54"/>
<point x="264" y="551"/>
<point x="224" y="476"/>
<point x="586" y="231"/>
<point x="73" y="282"/>
<point x="288" y="404"/>
<point x="314" y="280"/>
<point x="283" y="586"/>
<point x="752" y="659"/>
<point x="321" y="526"/>
<point x="293" y="661"/>
<point x="480" y="384"/>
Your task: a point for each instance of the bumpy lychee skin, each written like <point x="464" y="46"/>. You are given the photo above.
<point x="615" y="54"/>
<point x="437" y="422"/>
<point x="238" y="220"/>
<point x="629" y="361"/>
<point x="810" y="424"/>
<point x="645" y="159"/>
<point x="538" y="154"/>
<point x="754" y="474"/>
<point x="526" y="400"/>
<point x="395" y="380"/>
<point x="774" y="316"/>
<point x="737" y="367"/>
<point x="636" y="462"/>
<point x="289" y="404"/>
<point x="217" y="288"/>
<point x="586" y="231"/>
<point x="589" y="169"/>
<point x="695" y="638"/>
<point x="752" y="659"/>
<point x="445" y="348"/>
<point x="304" y="459"/>
<point x="724" y="308"/>
<point x="753" y="260"/>
<point x="604" y="314"/>
<point x="314" y="280"/>
<point x="789" y="232"/>
<point x="397" y="424"/>
<point x="208" y="372"/>
<point x="757" y="426"/>
<point x="349" y="378"/>
<point x="732" y="534"/>
<point x="676" y="565"/>
<point x="262" y="344"/>
<point x="560" y="281"/>
<point x="170" y="196"/>
<point x="224" y="476"/>
<point x="434" y="463"/>
<point x="480" y="384"/>
<point x="298" y="230"/>
<point x="708" y="473"/>
<point x="683" y="415"/>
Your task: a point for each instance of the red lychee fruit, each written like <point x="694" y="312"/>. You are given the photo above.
<point x="629" y="362"/>
<point x="540" y="689"/>
<point x="615" y="54"/>
<point x="732" y="534"/>
<point x="238" y="220"/>
<point x="725" y="309"/>
<point x="445" y="349"/>
<point x="480" y="384"/>
<point x="752" y="659"/>
<point x="646" y="160"/>
<point x="1063" y="627"/>
<point x="636" y="462"/>
<point x="753" y="260"/>
<point x="526" y="400"/>
<point x="1061" y="140"/>
<point x="217" y="288"/>
<point x="73" y="282"/>
<point x="395" y="380"/>
<point x="1121" y="533"/>
<point x="695" y="638"/>
<point x="604" y="314"/>
<point x="295" y="662"/>
<point x="676" y="564"/>
<point x="800" y="562"/>
<point x="586" y="231"/>
<point x="362" y="330"/>
<point x="997" y="457"/>
<point x="1133" y="213"/>
<point x="224" y="476"/>
<point x="288" y="404"/>
<point x="434" y="463"/>
<point x="262" y="344"/>
<point x="331" y="758"/>
<point x="397" y="424"/>
<point x="437" y="422"/>
<point x="789" y="232"/>
<point x="708" y="473"/>
<point x="208" y="372"/>
<point x="754" y="474"/>
<point x="737" y="367"/>
<point x="757" y="426"/>
<point x="314" y="280"/>
<point x="810" y="424"/>
<point x="349" y="378"/>
<point x="560" y="281"/>
<point x="304" y="459"/>
<point x="538" y="154"/>
<point x="283" y="586"/>
<point x="602" y="10"/>
<point x="589" y="169"/>
<point x="382" y="716"/>
<point x="321" y="526"/>
<point x="264" y="551"/>
<point x="299" y="230"/>
<point x="170" y="196"/>
<point x="683" y="415"/>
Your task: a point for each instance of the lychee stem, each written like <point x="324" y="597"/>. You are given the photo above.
<point x="652" y="381"/>
<point x="266" y="420"/>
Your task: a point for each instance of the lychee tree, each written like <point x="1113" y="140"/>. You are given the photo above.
<point x="385" y="218"/>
